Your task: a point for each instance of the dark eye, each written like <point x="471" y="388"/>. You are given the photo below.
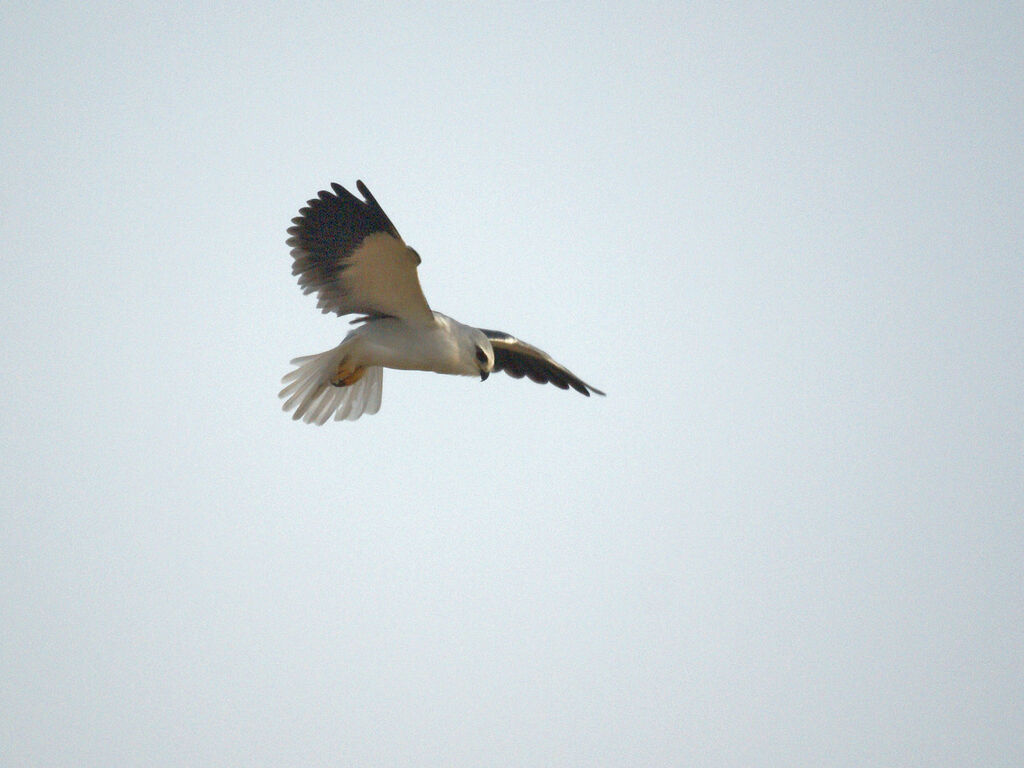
<point x="481" y="355"/>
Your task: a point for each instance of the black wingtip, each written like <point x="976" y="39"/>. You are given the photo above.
<point x="586" y="389"/>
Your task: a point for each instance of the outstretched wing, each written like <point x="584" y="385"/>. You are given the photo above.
<point x="518" y="359"/>
<point x="349" y="252"/>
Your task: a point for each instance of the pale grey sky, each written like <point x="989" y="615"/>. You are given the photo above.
<point x="785" y="238"/>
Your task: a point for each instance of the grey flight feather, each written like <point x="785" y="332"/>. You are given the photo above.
<point x="518" y="359"/>
<point x="348" y="252"/>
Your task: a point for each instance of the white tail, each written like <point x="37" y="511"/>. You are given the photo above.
<point x="309" y="391"/>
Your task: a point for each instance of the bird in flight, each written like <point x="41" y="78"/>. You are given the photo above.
<point x="349" y="252"/>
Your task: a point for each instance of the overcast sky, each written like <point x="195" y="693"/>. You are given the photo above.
<point x="787" y="239"/>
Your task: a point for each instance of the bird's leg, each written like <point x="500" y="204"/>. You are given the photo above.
<point x="346" y="375"/>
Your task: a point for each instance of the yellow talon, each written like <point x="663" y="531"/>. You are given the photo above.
<point x="345" y="376"/>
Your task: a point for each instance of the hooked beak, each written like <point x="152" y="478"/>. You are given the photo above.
<point x="484" y="375"/>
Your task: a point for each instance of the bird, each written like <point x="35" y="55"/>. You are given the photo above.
<point x="347" y="251"/>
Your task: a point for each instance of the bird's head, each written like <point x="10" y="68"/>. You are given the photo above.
<point x="483" y="355"/>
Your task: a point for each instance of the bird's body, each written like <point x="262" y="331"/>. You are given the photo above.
<point x="349" y="252"/>
<point x="393" y="343"/>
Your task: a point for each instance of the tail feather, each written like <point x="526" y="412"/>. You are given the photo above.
<point x="365" y="396"/>
<point x="315" y="400"/>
